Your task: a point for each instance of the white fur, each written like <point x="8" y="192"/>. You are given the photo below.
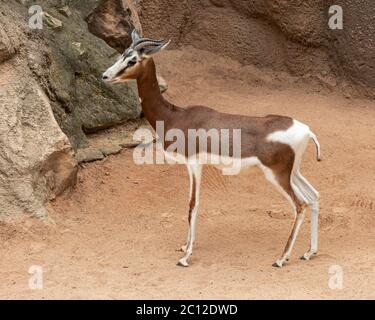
<point x="229" y="165"/>
<point x="120" y="65"/>
<point x="295" y="136"/>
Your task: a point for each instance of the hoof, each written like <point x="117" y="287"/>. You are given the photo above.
<point x="182" y="263"/>
<point x="277" y="264"/>
<point x="308" y="256"/>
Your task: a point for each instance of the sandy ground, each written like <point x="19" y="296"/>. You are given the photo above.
<point x="116" y="235"/>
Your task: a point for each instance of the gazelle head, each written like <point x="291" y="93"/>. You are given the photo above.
<point x="131" y="64"/>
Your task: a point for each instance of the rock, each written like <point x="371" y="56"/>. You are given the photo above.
<point x="113" y="21"/>
<point x="65" y="11"/>
<point x="110" y="149"/>
<point x="89" y="155"/>
<point x="95" y="153"/>
<point x="52" y="22"/>
<point x="130" y="145"/>
<point x="60" y="170"/>
<point x="36" y="158"/>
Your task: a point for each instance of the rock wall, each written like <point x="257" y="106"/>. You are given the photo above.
<point x="282" y="35"/>
<point x="352" y="50"/>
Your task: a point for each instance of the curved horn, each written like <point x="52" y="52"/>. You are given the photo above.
<point x="135" y="36"/>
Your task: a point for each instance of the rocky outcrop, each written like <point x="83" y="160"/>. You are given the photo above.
<point x="36" y="157"/>
<point x="69" y="68"/>
<point x="113" y="21"/>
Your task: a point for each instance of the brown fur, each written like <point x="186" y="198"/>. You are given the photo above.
<point x="254" y="130"/>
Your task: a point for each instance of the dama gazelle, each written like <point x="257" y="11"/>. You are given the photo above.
<point x="273" y="143"/>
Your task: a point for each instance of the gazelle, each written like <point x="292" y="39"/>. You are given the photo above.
<point x="273" y="143"/>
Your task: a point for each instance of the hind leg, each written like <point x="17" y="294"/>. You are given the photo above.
<point x="281" y="179"/>
<point x="313" y="200"/>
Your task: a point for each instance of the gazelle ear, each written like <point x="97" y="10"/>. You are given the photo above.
<point x="153" y="48"/>
<point x="135" y="36"/>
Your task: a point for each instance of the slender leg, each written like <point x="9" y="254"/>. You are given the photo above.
<point x="282" y="181"/>
<point x="191" y="191"/>
<point x="314" y="232"/>
<point x="292" y="238"/>
<point x="313" y="197"/>
<point x="196" y="170"/>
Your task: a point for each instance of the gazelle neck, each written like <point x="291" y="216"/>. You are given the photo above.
<point x="154" y="106"/>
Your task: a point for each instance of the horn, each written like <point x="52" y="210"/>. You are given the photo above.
<point x="135" y="36"/>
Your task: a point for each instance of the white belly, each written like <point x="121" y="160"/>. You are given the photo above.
<point x="229" y="165"/>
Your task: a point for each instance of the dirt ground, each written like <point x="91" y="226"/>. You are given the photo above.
<point x="116" y="235"/>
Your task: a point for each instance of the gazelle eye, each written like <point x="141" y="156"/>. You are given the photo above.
<point x="132" y="63"/>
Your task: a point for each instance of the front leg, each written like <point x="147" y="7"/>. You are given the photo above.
<point x="191" y="179"/>
<point x="195" y="173"/>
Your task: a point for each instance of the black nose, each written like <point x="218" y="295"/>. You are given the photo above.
<point x="105" y="77"/>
